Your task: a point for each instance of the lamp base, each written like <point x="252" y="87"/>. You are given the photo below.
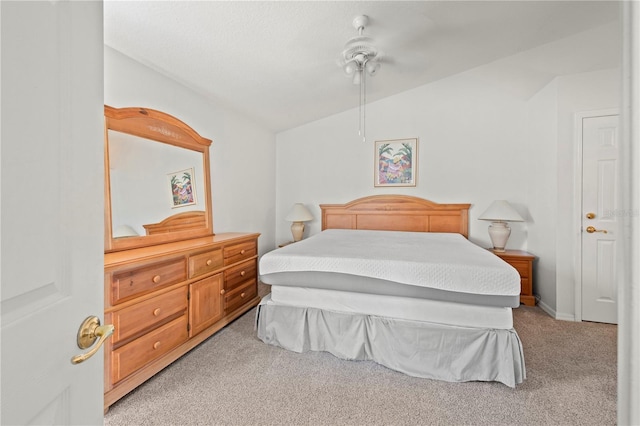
<point x="499" y="233"/>
<point x="297" y="229"/>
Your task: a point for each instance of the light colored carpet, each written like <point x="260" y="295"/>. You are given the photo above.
<point x="235" y="379"/>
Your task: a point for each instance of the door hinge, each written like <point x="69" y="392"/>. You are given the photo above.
<point x="188" y="327"/>
<point x="188" y="295"/>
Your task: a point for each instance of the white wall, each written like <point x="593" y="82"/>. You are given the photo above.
<point x="242" y="153"/>
<point x="552" y="186"/>
<point x="576" y="93"/>
<point x="480" y="139"/>
<point x="542" y="198"/>
<point x="477" y="142"/>
<point x="465" y="129"/>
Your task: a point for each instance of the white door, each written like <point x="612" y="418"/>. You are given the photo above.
<point x="51" y="216"/>
<point x="599" y="218"/>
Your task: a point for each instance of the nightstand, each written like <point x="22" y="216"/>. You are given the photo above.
<point x="523" y="262"/>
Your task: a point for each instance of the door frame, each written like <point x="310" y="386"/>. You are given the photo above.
<point x="576" y="221"/>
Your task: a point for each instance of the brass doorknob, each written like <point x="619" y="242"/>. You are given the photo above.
<point x="591" y="215"/>
<point x="591" y="230"/>
<point x="90" y="330"/>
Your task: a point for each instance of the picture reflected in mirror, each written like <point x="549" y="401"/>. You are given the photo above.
<point x="150" y="182"/>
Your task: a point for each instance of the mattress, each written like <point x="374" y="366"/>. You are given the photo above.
<point x="405" y="308"/>
<point x="438" y="266"/>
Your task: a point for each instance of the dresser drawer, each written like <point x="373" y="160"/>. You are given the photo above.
<point x="522" y="266"/>
<point x="239" y="252"/>
<point x="130" y="283"/>
<point x="235" y="276"/>
<point x="202" y="263"/>
<point x="134" y="320"/>
<point x="135" y="355"/>
<point x="239" y="296"/>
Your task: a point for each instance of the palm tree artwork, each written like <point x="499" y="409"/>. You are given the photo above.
<point x="395" y="163"/>
<point x="182" y="188"/>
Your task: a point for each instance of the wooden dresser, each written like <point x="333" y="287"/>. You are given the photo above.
<point x="170" y="282"/>
<point x="164" y="300"/>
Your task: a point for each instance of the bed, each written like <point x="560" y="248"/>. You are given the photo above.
<point x="393" y="279"/>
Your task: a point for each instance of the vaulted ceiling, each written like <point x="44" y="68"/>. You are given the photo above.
<point x="275" y="61"/>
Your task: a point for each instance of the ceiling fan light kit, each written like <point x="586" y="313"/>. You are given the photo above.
<point x="359" y="58"/>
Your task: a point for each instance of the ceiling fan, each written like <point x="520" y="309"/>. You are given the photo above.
<point x="360" y="54"/>
<point x="359" y="58"/>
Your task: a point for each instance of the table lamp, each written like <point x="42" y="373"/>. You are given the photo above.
<point x="298" y="215"/>
<point x="125" y="231"/>
<point x="499" y="213"/>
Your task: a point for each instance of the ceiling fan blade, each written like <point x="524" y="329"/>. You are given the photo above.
<point x="384" y="59"/>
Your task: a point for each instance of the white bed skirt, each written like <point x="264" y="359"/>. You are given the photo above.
<point x="420" y="349"/>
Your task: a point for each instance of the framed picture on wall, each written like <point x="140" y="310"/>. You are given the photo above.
<point x="396" y="162"/>
<point x="182" y="186"/>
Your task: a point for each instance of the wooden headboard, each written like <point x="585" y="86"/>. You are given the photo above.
<point x="178" y="222"/>
<point x="397" y="213"/>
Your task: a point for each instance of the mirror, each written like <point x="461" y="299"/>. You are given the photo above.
<point x="156" y="179"/>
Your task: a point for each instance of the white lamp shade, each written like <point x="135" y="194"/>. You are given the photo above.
<point x="501" y="211"/>
<point x="124" y="231"/>
<point x="357" y="77"/>
<point x="298" y="213"/>
<point x="350" y="68"/>
<point x="372" y="68"/>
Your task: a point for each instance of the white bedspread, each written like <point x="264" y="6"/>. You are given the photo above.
<point x="437" y="260"/>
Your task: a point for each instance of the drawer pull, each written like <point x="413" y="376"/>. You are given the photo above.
<point x="209" y="262"/>
<point x="156" y="345"/>
<point x="156" y="312"/>
<point x="156" y="279"/>
<point x="242" y="274"/>
<point x="242" y="251"/>
<point x="242" y="294"/>
<point x="222" y="291"/>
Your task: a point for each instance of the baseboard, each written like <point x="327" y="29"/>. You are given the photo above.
<point x="565" y="317"/>
<point x="552" y="312"/>
<point x="547" y="308"/>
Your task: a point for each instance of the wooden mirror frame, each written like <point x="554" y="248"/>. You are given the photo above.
<point x="163" y="128"/>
